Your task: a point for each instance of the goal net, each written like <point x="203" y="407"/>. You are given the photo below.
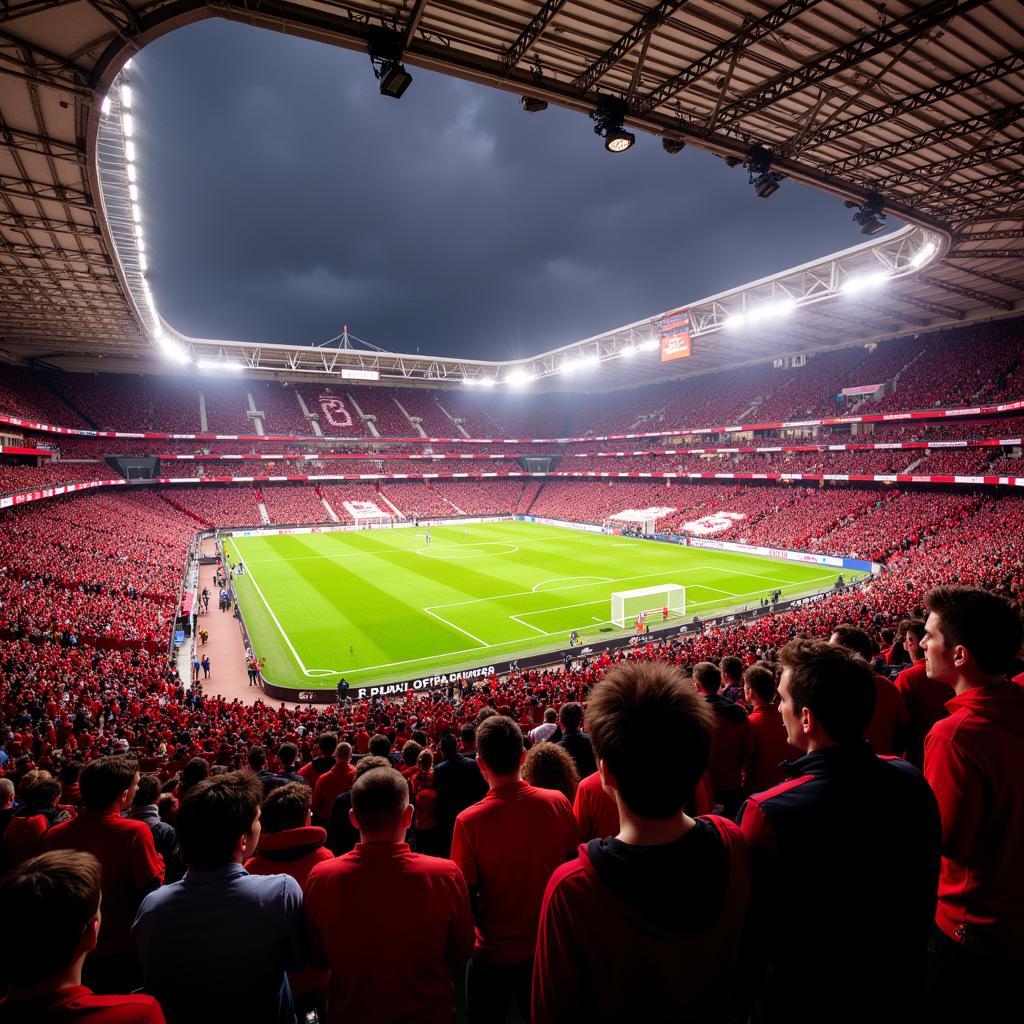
<point x="373" y="520"/>
<point x="628" y="605"/>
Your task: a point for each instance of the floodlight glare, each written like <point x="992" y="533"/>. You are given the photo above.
<point x="736" y="320"/>
<point x="487" y="382"/>
<point x="628" y="351"/>
<point x="923" y="255"/>
<point x="136" y="213"/>
<point x="126" y="97"/>
<point x="131" y="172"/>
<point x="518" y="377"/>
<point x="105" y="106"/>
<point x="127" y="125"/>
<point x="863" y="282"/>
<point x="133" y="192"/>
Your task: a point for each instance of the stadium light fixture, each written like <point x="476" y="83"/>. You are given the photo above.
<point x="143" y="265"/>
<point x="518" y="378"/>
<point x="869" y="214"/>
<point x="760" y="173"/>
<point x="487" y="382"/>
<point x="608" y="120"/>
<point x="470" y="382"/>
<point x="672" y="146"/>
<point x="129" y="151"/>
<point x="627" y="351"/>
<point x="734" y="320"/>
<point x="864" y="282"/>
<point x="770" y="311"/>
<point x="105" y="106"/>
<point x="126" y="97"/>
<point x="532" y="104"/>
<point x="385" y="47"/>
<point x="127" y="125"/>
<point x="136" y="213"/>
<point x="131" y="172"/>
<point x="133" y="192"/>
<point x="923" y="255"/>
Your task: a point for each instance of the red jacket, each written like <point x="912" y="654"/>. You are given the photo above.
<point x="771" y="748"/>
<point x="682" y="927"/>
<point x="597" y="815"/>
<point x="890" y="713"/>
<point x="926" y="704"/>
<point x="974" y="760"/>
<point x="329" y="787"/>
<point x="78" y="1005"/>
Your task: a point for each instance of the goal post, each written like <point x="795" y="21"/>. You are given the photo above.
<point x="627" y="605"/>
<point x="372" y="520"/>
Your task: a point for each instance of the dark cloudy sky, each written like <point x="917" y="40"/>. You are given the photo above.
<point x="283" y="197"/>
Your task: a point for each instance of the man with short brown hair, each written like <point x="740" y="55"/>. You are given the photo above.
<point x="974" y="760"/>
<point x="646" y="925"/>
<point x="53" y="900"/>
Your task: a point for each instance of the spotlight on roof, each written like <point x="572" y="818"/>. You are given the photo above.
<point x="869" y="214"/>
<point x="863" y="282"/>
<point x="517" y="378"/>
<point x="385" y="48"/>
<point x="672" y="146"/>
<point x="608" y="119"/>
<point x="761" y="176"/>
<point x="923" y="255"/>
<point x="533" y="105"/>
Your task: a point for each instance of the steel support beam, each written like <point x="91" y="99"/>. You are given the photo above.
<point x="941" y="168"/>
<point x="635" y="34"/>
<point x="967" y="293"/>
<point x="988" y="254"/>
<point x="988" y="236"/>
<point x="843" y="58"/>
<point x="533" y="31"/>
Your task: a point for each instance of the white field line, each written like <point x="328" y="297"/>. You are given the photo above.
<point x="465" y="632"/>
<point x="543" y="632"/>
<point x="561" y="579"/>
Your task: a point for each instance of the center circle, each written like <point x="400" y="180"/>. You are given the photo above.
<point x="455" y="551"/>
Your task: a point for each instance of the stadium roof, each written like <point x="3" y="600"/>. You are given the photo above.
<point x="920" y="103"/>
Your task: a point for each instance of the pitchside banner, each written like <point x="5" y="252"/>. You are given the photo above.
<point x="674" y="330"/>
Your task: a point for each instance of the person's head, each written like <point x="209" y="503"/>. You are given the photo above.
<point x="425" y="761"/>
<point x="343" y="753"/>
<point x="70" y="773"/>
<point x="759" y="685"/>
<point x="194" y="772"/>
<point x="826" y="694"/>
<point x="257" y="758"/>
<point x="732" y="670"/>
<point x="449" y="746"/>
<point x="326" y="742"/>
<point x="971" y="636"/>
<point x="379" y="745"/>
<point x="549" y="766"/>
<point x="853" y="639"/>
<point x="218" y="822"/>
<point x="147" y="791"/>
<point x="38" y="791"/>
<point x="287" y="754"/>
<point x="286" y="807"/>
<point x="380" y="806"/>
<point x="108" y="783"/>
<point x="467" y="736"/>
<point x="550" y="716"/>
<point x="912" y="635"/>
<point x="6" y="794"/>
<point x="652" y="736"/>
<point x="55" y="900"/>
<point x="707" y="677"/>
<point x="499" y="749"/>
<point x="570" y="716"/>
<point x="410" y="753"/>
<point x="368" y="763"/>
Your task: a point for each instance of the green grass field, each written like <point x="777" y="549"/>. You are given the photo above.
<point x="382" y="605"/>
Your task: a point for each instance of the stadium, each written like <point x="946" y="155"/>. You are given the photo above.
<point x="729" y="518"/>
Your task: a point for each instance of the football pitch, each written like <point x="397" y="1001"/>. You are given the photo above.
<point x="383" y="605"/>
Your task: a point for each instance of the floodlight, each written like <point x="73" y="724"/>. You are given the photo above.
<point x="127" y="125"/>
<point x="126" y="97"/>
<point x="133" y="192"/>
<point x="385" y="47"/>
<point x="105" y="106"/>
<point x="760" y="173"/>
<point x="869" y="214"/>
<point x="469" y="381"/>
<point x="129" y="150"/>
<point x="736" y="320"/>
<point x="533" y="105"/>
<point x="131" y="172"/>
<point x="672" y="146"/>
<point x="136" y="213"/>
<point x="628" y="351"/>
<point x="518" y="377"/>
<point x="608" y="119"/>
<point x="487" y="382"/>
<point x="862" y="282"/>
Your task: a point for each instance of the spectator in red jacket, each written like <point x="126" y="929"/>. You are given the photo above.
<point x="925" y="698"/>
<point x="886" y="731"/>
<point x="732" y="743"/>
<point x="771" y="749"/>
<point x="845" y="856"/>
<point x="597" y="814"/>
<point x="290" y="845"/>
<point x="38" y="792"/>
<point x="507" y="845"/>
<point x="55" y="900"/>
<point x="326" y="743"/>
<point x="974" y="760"/>
<point x="670" y="892"/>
<point x="333" y="783"/>
<point x="127" y="854"/>
<point x="388" y="973"/>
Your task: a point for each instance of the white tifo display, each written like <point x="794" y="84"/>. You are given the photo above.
<point x="627" y="605"/>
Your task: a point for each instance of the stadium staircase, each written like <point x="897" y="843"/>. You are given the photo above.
<point x="390" y="504"/>
<point x="528" y="497"/>
<point x="327" y="504"/>
<point x="368" y="421"/>
<point x="457" y="424"/>
<point x="54" y="390"/>
<point x="414" y="421"/>
<point x="168" y="497"/>
<point x="264" y="514"/>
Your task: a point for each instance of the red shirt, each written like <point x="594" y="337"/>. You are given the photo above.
<point x="771" y="748"/>
<point x="925" y="700"/>
<point x="974" y="760"/>
<point x="597" y="814"/>
<point x="23" y="836"/>
<point x="890" y="712"/>
<point x="79" y="1004"/>
<point x="731" y="745"/>
<point x="683" y="973"/>
<point x="507" y="846"/>
<point x="380" y="972"/>
<point x="131" y="867"/>
<point x="329" y="787"/>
